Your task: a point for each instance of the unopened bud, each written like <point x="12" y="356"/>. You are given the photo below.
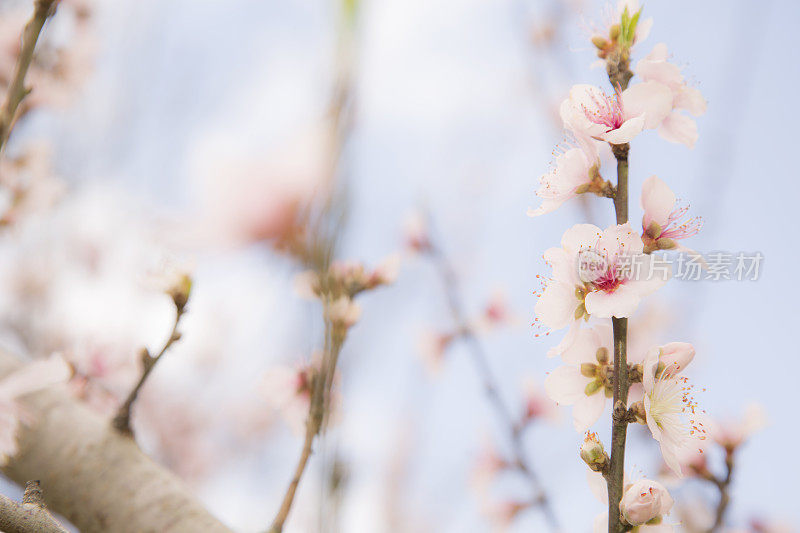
<point x="180" y="291"/>
<point x="676" y="356"/>
<point x="592" y="452"/>
<point x="602" y="355"/>
<point x="600" y="42"/>
<point x="614" y="32"/>
<point x="644" y="501"/>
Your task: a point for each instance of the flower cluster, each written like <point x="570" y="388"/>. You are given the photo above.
<point x="593" y="279"/>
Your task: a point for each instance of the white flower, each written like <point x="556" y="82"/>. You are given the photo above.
<point x="670" y="410"/>
<point x="573" y="167"/>
<point x="673" y="126"/>
<point x="595" y="272"/>
<point x="617" y="119"/>
<point x="582" y="382"/>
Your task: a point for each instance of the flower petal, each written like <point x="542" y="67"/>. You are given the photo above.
<point x="680" y="129"/>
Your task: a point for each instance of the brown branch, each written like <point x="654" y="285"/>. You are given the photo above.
<point x="122" y="421"/>
<point x="723" y="486"/>
<point x="491" y="390"/>
<point x="94" y="477"/>
<point x="16" y="89"/>
<point x="619" y="75"/>
<point x="318" y="410"/>
<point x="30" y="516"/>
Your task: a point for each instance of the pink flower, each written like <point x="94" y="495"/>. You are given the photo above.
<point x="663" y="223"/>
<point x="643" y="501"/>
<point x="669" y="407"/>
<point x="583" y="381"/>
<point x="576" y="166"/>
<point x="639" y="504"/>
<point x="594" y="274"/>
<point x="31" y="377"/>
<point x="592" y="113"/>
<point x="674" y="127"/>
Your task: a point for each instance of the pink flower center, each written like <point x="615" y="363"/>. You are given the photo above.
<point x="606" y="110"/>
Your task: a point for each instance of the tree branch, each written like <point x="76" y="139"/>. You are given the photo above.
<point x="96" y="478"/>
<point x="491" y="390"/>
<point x="16" y="89"/>
<point x="723" y="485"/>
<point x="122" y="421"/>
<point x="30" y="516"/>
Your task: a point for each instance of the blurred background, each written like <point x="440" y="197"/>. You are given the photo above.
<point x="177" y="120"/>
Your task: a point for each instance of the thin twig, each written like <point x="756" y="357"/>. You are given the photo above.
<point x="30" y="516"/>
<point x="16" y="89"/>
<point x="318" y="409"/>
<point x="723" y="485"/>
<point x="122" y="420"/>
<point x="491" y="390"/>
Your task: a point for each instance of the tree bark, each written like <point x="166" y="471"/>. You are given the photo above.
<point x="95" y="477"/>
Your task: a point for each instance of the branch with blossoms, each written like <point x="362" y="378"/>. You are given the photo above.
<point x="597" y="274"/>
<point x="513" y="427"/>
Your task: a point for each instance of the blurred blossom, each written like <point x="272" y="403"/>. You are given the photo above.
<point x="247" y="198"/>
<point x="416" y="232"/>
<point x="730" y="434"/>
<point x="537" y="405"/>
<point x="431" y="347"/>
<point x="73" y="280"/>
<point x="31" y="377"/>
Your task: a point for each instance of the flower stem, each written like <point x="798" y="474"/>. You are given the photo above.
<point x="16" y="88"/>
<point x="122" y="420"/>
<point x="619" y="74"/>
<point x="616" y="471"/>
<point x="491" y="390"/>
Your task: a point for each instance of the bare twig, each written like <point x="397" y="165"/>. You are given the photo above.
<point x="30" y="516"/>
<point x="16" y="89"/>
<point x="723" y="485"/>
<point x="122" y="421"/>
<point x="465" y="331"/>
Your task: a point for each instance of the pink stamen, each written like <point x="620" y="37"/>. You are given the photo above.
<point x="688" y="228"/>
<point x="607" y="110"/>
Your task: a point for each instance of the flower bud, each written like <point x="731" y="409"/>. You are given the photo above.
<point x="599" y="42"/>
<point x="180" y="290"/>
<point x="592" y="452"/>
<point x="614" y="32"/>
<point x="676" y="356"/>
<point x="643" y="501"/>
<point x="602" y="355"/>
